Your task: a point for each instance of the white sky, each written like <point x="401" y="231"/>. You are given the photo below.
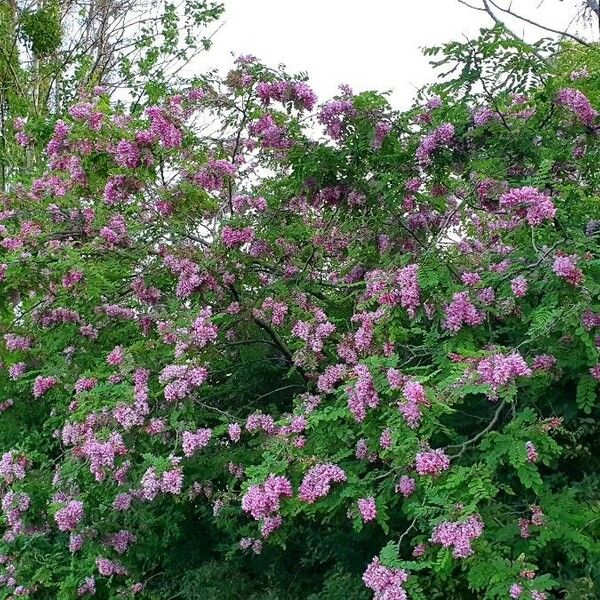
<point x="372" y="44"/>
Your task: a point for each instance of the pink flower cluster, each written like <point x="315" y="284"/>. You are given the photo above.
<point x="262" y="501"/>
<point x="170" y="482"/>
<point x="414" y="397"/>
<point x="296" y="92"/>
<point x="538" y="207"/>
<point x="182" y="380"/>
<point x="329" y="379"/>
<point x="115" y="232"/>
<point x="431" y="462"/>
<point x="461" y="311"/>
<point x="12" y="468"/>
<point x="43" y="384"/>
<point x="121" y="540"/>
<point x="406" y="486"/>
<point x="386" y="582"/>
<point x="439" y="137"/>
<point x="317" y="481"/>
<point x="277" y="310"/>
<point x="497" y="370"/>
<point x="162" y="128"/>
<point x="313" y="334"/>
<point x="579" y="104"/>
<point x="195" y="440"/>
<point x="233" y="238"/>
<point x="566" y="268"/>
<point x="362" y="394"/>
<point x="108" y="568"/>
<point x="519" y="286"/>
<point x="68" y="517"/>
<point x="270" y="134"/>
<point x="458" y="535"/>
<point x="532" y="453"/>
<point x="213" y="174"/>
<point x="101" y="454"/>
<point x="17" y="342"/>
<point x="367" y="509"/>
<point x="408" y="282"/>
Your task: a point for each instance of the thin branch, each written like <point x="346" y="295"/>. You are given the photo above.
<point x="480" y="8"/>
<point x="477" y="437"/>
<point x="508" y="11"/>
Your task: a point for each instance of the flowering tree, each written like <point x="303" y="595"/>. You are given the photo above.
<point x="258" y="347"/>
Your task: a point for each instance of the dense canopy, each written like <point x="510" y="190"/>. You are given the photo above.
<point x="255" y="345"/>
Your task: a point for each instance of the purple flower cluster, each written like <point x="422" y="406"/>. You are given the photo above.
<point x="382" y="129"/>
<point x="333" y="115"/>
<point x="68" y="517"/>
<point x="439" y="137"/>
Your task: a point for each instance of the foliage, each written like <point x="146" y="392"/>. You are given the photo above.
<point x="254" y="349"/>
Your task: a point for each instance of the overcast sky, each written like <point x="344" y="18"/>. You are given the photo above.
<point x="369" y="44"/>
